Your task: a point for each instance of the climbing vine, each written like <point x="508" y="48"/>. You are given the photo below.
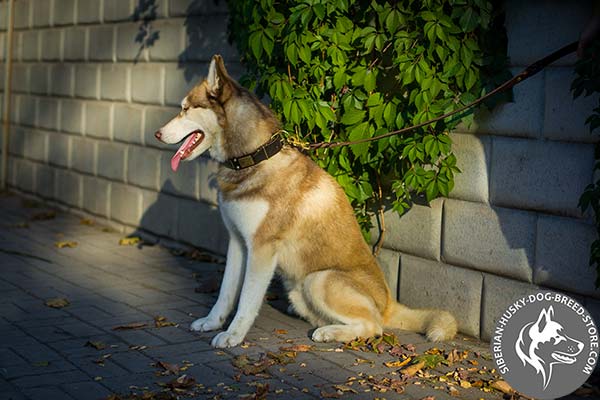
<point x="345" y="70"/>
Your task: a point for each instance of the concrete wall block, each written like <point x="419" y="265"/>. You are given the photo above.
<point x="27" y="110"/>
<point x="87" y="81"/>
<point x="154" y="119"/>
<point x="59" y="149"/>
<point x="74" y="48"/>
<point x="564" y="118"/>
<point x="83" y="155"/>
<point x="535" y="30"/>
<point x="48" y="109"/>
<point x="141" y="91"/>
<point x="127" y="47"/>
<point x="178" y="84"/>
<point x="429" y="284"/>
<point x="25" y="175"/>
<point x="111" y="160"/>
<point x="3" y="11"/>
<point x="497" y="240"/>
<point x="539" y="175"/>
<point x="182" y="8"/>
<point x="143" y="167"/>
<point x="69" y="188"/>
<point x="42" y="14"/>
<point x="45" y="181"/>
<point x="473" y="154"/>
<point x="30" y="45"/>
<point x="22" y="14"/>
<point x="3" y="41"/>
<point x="498" y="294"/>
<point x="16" y="145"/>
<point x="96" y="195"/>
<point x="201" y="225"/>
<point x="62" y="80"/>
<point x="207" y="36"/>
<point x="98" y="119"/>
<point x="159" y="213"/>
<point x="20" y="79"/>
<point x="64" y="12"/>
<point x="208" y="180"/>
<point x="523" y="117"/>
<point x="562" y="255"/>
<point x="36" y="145"/>
<point x="115" y="82"/>
<point x="89" y="11"/>
<point x="71" y="116"/>
<point x="118" y="10"/>
<point x="416" y="232"/>
<point x="171" y="41"/>
<point x="51" y="48"/>
<point x="39" y="78"/>
<point x="128" y="123"/>
<point x="184" y="182"/>
<point x="101" y="47"/>
<point x="389" y="261"/>
<point x="125" y="203"/>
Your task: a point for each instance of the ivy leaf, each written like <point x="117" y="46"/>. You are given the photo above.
<point x="352" y="117"/>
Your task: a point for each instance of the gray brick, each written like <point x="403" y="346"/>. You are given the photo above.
<point x="154" y="119"/>
<point x="117" y="10"/>
<point x="30" y="45"/>
<point x="3" y="40"/>
<point x="143" y="92"/>
<point x="25" y="175"/>
<point x="89" y="11"/>
<point x="41" y="12"/>
<point x="125" y="202"/>
<point x="22" y="14"/>
<point x="87" y="81"/>
<point x="45" y="180"/>
<point x="101" y="43"/>
<point x="473" y="154"/>
<point x="64" y="12"/>
<point x="143" y="167"/>
<point x="20" y="79"/>
<point x="417" y="232"/>
<point x="87" y="390"/>
<point x="51" y="44"/>
<point x="68" y="188"/>
<point x="96" y="193"/>
<point x="184" y="182"/>
<point x="182" y="8"/>
<point x="83" y="154"/>
<point x="115" y="82"/>
<point x="564" y="118"/>
<point x="36" y="144"/>
<point x="203" y="43"/>
<point x="389" y="261"/>
<point x="62" y="80"/>
<point x="495" y="240"/>
<point x="17" y="142"/>
<point x="59" y="149"/>
<point x="540" y="175"/>
<point x="46" y="392"/>
<point x="200" y="225"/>
<point x="498" y="294"/>
<point x="208" y="181"/>
<point x="562" y="255"/>
<point x="71" y="114"/>
<point x="176" y="84"/>
<point x="159" y="213"/>
<point x="3" y="11"/>
<point x="75" y="39"/>
<point x="171" y="41"/>
<point x="128" y="123"/>
<point x="127" y="48"/>
<point x="27" y="110"/>
<point x="111" y="160"/>
<point x="39" y="78"/>
<point x="98" y="119"/>
<point x="48" y="113"/>
<point x="428" y="284"/>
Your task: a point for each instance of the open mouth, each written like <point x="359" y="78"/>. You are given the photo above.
<point x="190" y="142"/>
<point x="563" y="358"/>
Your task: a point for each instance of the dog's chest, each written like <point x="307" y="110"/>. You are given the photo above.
<point x="246" y="216"/>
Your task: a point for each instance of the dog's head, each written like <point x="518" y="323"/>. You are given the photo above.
<point x="199" y="125"/>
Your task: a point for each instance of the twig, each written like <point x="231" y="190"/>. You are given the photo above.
<point x="381" y="218"/>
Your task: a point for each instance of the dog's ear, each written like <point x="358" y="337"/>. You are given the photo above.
<point x="218" y="79"/>
<point x="544" y="318"/>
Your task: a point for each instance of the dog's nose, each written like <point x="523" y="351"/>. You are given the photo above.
<point x="158" y="135"/>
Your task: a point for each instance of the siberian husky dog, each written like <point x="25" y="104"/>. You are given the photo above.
<point x="284" y="214"/>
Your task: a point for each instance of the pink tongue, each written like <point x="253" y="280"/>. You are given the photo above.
<point x="177" y="157"/>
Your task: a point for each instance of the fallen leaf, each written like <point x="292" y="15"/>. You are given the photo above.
<point x="453" y="391"/>
<point x="69" y="244"/>
<point x="168" y="368"/>
<point x="183" y="382"/>
<point x="249" y="367"/>
<point x="97" y="378"/>
<point x="330" y="395"/>
<point x="299" y="348"/>
<point x="344" y="388"/>
<point x="397" y="364"/>
<point x="129" y="241"/>
<point x="87" y="221"/>
<point x="280" y="331"/>
<point x="413" y="369"/>
<point x="138" y="347"/>
<point x="96" y="345"/>
<point x="43" y="216"/>
<point x="283" y="358"/>
<point x="133" y="325"/>
<point x="465" y="384"/>
<point x="502" y="386"/>
<point x="427" y="398"/>
<point x="57" y="302"/>
<point x="430" y="360"/>
<point x="160" y="322"/>
<point x="409" y="347"/>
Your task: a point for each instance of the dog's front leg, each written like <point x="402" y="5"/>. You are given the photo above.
<point x="230" y="288"/>
<point x="259" y="271"/>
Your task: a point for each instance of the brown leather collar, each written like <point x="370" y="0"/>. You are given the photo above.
<point x="263" y="153"/>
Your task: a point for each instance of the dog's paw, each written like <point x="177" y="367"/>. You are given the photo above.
<point x="324" y="334"/>
<point x="205" y="324"/>
<point x="226" y="339"/>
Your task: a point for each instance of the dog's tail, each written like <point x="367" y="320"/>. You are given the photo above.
<point x="437" y="325"/>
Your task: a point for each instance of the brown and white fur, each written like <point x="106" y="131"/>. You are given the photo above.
<point x="289" y="215"/>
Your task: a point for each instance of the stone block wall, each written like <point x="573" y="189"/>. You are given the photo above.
<point x="87" y="98"/>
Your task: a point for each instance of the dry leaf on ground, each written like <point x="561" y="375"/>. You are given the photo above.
<point x="62" y="245"/>
<point x="280" y="331"/>
<point x="129" y="241"/>
<point x="161" y="322"/>
<point x="87" y="221"/>
<point x="168" y="368"/>
<point x="133" y="325"/>
<point x="96" y="345"/>
<point x="299" y="348"/>
<point x="183" y="382"/>
<point x="397" y="364"/>
<point x="58" y="302"/>
<point x="413" y="369"/>
<point x="502" y="386"/>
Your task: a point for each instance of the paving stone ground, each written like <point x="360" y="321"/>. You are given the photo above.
<point x="43" y="352"/>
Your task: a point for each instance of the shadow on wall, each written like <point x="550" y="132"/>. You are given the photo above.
<point x="145" y="13"/>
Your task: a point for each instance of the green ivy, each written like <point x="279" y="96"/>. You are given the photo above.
<point x="587" y="82"/>
<point x="346" y="70"/>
